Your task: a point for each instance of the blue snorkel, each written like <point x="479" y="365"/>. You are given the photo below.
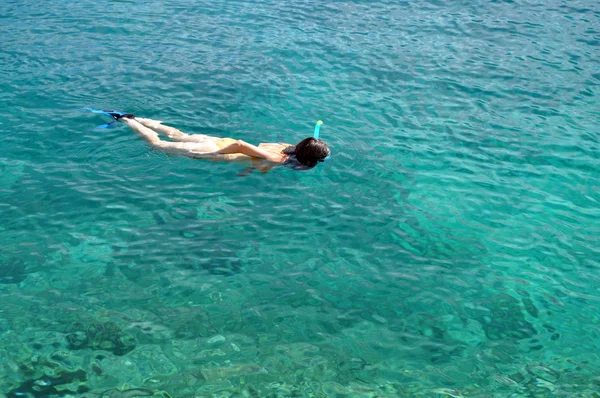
<point x="316" y="136"/>
<point x="317" y="129"/>
<point x="107" y="113"/>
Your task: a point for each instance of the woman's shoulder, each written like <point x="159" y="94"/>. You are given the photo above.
<point x="275" y="147"/>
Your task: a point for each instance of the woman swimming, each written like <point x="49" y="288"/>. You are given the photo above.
<point x="304" y="155"/>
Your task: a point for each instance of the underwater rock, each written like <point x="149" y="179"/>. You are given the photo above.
<point x="352" y="364"/>
<point x="158" y="218"/>
<point x="223" y="372"/>
<point x="544" y="373"/>
<point x="12" y="271"/>
<point x="217" y="339"/>
<point x="505" y="381"/>
<point x="96" y="369"/>
<point x="100" y="336"/>
<point x="507" y="320"/>
<point x="530" y="307"/>
<point x="11" y="172"/>
<point x="188" y="322"/>
<point x="224" y="264"/>
<point x="131" y="393"/>
<point x="448" y="392"/>
<point x="150" y="331"/>
<point x="45" y="386"/>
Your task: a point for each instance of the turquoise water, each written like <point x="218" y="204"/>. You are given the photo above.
<point x="449" y="247"/>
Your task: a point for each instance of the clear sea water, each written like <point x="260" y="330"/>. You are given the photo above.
<point x="450" y="248"/>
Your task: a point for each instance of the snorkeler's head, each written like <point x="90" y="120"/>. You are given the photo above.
<point x="311" y="151"/>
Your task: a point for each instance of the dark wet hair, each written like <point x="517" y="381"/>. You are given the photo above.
<point x="311" y="151"/>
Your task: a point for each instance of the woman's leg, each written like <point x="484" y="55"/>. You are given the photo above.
<point x="181" y="148"/>
<point x="148" y="135"/>
<point x="172" y="132"/>
<point x="144" y="132"/>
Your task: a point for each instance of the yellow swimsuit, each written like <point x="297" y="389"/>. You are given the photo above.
<point x="224" y="142"/>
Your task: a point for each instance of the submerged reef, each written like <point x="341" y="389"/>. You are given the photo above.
<point x="46" y="386"/>
<point x="100" y="336"/>
<point x="12" y="271"/>
<point x="505" y="319"/>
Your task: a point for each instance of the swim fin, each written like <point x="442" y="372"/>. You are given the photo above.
<point x="114" y="114"/>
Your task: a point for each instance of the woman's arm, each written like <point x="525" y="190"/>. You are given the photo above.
<point x="253" y="151"/>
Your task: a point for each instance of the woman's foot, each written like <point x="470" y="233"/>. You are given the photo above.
<point x="118" y="115"/>
<point x="150" y="123"/>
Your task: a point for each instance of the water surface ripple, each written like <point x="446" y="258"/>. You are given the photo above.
<point x="449" y="248"/>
